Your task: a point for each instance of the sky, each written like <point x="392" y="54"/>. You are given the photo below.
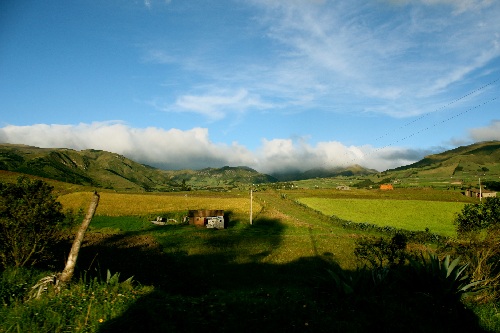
<point x="269" y="84"/>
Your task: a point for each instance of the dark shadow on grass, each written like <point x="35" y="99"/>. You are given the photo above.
<point x="212" y="292"/>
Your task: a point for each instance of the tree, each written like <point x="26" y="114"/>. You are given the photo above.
<point x="480" y="216"/>
<point x="68" y="271"/>
<point x="30" y="220"/>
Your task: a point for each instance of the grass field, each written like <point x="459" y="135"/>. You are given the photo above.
<point x="416" y="215"/>
<point x="270" y="276"/>
<point x="122" y="204"/>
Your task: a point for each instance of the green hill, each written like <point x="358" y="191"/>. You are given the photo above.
<point x="462" y="165"/>
<point x="107" y="170"/>
<point x="353" y="170"/>
<point x="457" y="167"/>
<point x="478" y="158"/>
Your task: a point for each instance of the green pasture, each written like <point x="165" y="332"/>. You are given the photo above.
<point x="416" y="215"/>
<point x="271" y="275"/>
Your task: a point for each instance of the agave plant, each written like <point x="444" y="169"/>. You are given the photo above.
<point x="356" y="283"/>
<point x="445" y="277"/>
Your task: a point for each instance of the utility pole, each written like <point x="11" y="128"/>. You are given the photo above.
<point x="251" y="204"/>
<point x="480" y="192"/>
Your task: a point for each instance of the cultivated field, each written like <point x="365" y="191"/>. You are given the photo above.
<point x="293" y="270"/>
<point x="415" y="215"/>
<point x="122" y="204"/>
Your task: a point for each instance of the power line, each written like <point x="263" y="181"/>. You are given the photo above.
<point x="441" y="108"/>
<point x="432" y="126"/>
<point x="439" y="123"/>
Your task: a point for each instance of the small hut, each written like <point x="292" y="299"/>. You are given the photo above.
<point x="386" y="187"/>
<point x="207" y="218"/>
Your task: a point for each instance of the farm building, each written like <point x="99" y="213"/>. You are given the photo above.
<point x="343" y="188"/>
<point x="386" y="187"/>
<point x="207" y="218"/>
<point x="475" y="193"/>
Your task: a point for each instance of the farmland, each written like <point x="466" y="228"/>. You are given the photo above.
<point x="120" y="204"/>
<point x="272" y="275"/>
<point x="416" y="215"/>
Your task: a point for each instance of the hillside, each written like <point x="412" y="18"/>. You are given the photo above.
<point x="353" y="170"/>
<point x="112" y="171"/>
<point x="462" y="165"/>
<point x="218" y="178"/>
<point x="477" y="159"/>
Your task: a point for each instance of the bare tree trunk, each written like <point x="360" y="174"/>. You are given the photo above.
<point x="68" y="271"/>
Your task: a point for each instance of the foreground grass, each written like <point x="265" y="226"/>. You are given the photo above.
<point x="267" y="277"/>
<point x="85" y="306"/>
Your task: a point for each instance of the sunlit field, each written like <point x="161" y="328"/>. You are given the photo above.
<point x="416" y="215"/>
<point x="277" y="268"/>
<point x="120" y="204"/>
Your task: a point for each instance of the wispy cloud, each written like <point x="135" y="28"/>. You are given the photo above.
<point x="216" y="104"/>
<point x="147" y="3"/>
<point x="193" y="149"/>
<point x="158" y="57"/>
<point x="400" y="60"/>
<point x="393" y="59"/>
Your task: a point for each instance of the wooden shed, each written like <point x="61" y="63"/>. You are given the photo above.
<point x="207" y="218"/>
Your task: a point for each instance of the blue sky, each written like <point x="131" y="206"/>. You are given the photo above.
<point x="273" y="85"/>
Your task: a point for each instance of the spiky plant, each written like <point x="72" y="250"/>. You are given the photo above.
<point x="445" y="278"/>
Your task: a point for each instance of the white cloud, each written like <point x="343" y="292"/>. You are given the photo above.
<point x="171" y="149"/>
<point x="287" y="154"/>
<point x="490" y="132"/>
<point x="216" y="105"/>
<point x="193" y="149"/>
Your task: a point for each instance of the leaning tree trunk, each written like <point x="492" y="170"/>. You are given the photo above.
<point x="68" y="271"/>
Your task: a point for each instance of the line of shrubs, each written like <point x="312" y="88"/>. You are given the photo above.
<point x="414" y="236"/>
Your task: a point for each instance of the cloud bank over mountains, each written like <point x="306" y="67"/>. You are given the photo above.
<point x="193" y="149"/>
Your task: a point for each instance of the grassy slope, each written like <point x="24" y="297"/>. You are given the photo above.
<point x="464" y="164"/>
<point x="271" y="276"/>
<point x="112" y="171"/>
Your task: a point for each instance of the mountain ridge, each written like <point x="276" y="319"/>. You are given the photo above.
<point x="98" y="168"/>
<point x="109" y="170"/>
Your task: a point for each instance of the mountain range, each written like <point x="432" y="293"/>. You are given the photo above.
<point x="108" y="170"/>
<point x="103" y="169"/>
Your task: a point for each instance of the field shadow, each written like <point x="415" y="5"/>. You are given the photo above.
<point x="213" y="291"/>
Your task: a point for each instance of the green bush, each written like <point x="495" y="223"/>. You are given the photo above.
<point x="30" y="220"/>
<point x="381" y="252"/>
<point x="478" y="227"/>
<point x="15" y="284"/>
<point x="476" y="217"/>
